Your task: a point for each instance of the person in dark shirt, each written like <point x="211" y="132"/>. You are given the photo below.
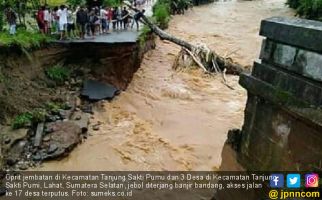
<point x="119" y="18"/>
<point x="92" y="19"/>
<point x="136" y="18"/>
<point x="114" y="17"/>
<point x="81" y="21"/>
<point x="11" y="19"/>
<point x="125" y="17"/>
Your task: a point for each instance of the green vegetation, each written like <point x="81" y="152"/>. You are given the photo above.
<point x="58" y="73"/>
<point x="22" y="120"/>
<point x="23" y="39"/>
<point x="38" y="115"/>
<point x="145" y="31"/>
<point x="56" y="2"/>
<point x="75" y="2"/>
<point x="311" y="9"/>
<point x="112" y="3"/>
<point x="177" y="6"/>
<point x="54" y="107"/>
<point x="162" y="11"/>
<point x="1" y="19"/>
<point x="161" y="14"/>
<point x="28" y="118"/>
<point x="164" y="8"/>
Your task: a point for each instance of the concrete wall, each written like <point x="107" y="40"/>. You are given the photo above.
<point x="283" y="116"/>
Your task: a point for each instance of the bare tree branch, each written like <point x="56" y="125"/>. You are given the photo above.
<point x="223" y="63"/>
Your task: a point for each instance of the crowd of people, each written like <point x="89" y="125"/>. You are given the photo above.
<point x="83" y="21"/>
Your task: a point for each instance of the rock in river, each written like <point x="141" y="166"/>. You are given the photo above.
<point x="64" y="138"/>
<point x="95" y="90"/>
<point x="52" y="148"/>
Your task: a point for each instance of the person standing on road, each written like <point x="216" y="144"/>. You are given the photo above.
<point x="71" y="23"/>
<point x="81" y="21"/>
<point x="136" y="18"/>
<point x="55" y="20"/>
<point x="125" y="17"/>
<point x="62" y="14"/>
<point x="119" y="18"/>
<point x="103" y="18"/>
<point x="114" y="17"/>
<point x="109" y="17"/>
<point x="92" y="25"/>
<point x="41" y="19"/>
<point x="98" y="24"/>
<point x="47" y="19"/>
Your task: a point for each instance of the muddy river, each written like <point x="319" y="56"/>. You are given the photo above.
<point x="177" y="120"/>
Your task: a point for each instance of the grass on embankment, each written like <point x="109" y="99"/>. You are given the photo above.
<point x="23" y="39"/>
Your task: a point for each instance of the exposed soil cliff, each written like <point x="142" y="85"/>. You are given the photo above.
<point x="25" y="86"/>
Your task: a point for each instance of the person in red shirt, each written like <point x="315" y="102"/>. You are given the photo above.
<point x="41" y="19"/>
<point x="109" y="17"/>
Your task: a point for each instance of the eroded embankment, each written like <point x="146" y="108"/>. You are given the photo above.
<point x="25" y="86"/>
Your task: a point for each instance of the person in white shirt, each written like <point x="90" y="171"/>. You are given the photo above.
<point x="47" y="19"/>
<point x="62" y="14"/>
<point x="71" y="19"/>
<point x="103" y="17"/>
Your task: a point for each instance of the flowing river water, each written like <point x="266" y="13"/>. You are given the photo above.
<point x="177" y="120"/>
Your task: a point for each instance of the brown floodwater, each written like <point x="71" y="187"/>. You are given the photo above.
<point x="177" y="120"/>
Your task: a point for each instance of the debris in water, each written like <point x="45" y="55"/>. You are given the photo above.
<point x="96" y="127"/>
<point x="39" y="132"/>
<point x="95" y="90"/>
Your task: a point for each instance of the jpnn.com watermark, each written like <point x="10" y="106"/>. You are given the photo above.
<point x="275" y="194"/>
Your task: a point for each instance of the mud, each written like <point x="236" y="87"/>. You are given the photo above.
<point x="177" y="120"/>
<point x="23" y="83"/>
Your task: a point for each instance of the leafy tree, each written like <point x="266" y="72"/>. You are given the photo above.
<point x="175" y="6"/>
<point x="19" y="6"/>
<point x="162" y="15"/>
<point x="1" y="19"/>
<point x="76" y="2"/>
<point x="311" y="9"/>
<point x="112" y="3"/>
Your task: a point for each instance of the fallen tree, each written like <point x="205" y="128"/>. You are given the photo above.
<point x="205" y="58"/>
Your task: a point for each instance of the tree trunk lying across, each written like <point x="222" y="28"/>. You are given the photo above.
<point x="223" y="63"/>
